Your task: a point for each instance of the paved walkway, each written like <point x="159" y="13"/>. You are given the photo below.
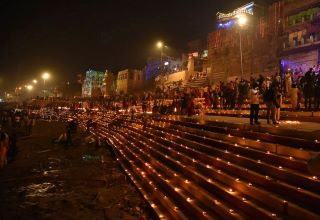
<point x="304" y="130"/>
<point x="287" y="124"/>
<point x="307" y="116"/>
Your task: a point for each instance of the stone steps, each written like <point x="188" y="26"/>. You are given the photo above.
<point x="187" y="172"/>
<point x="266" y="181"/>
<point x="270" y="182"/>
<point x="176" y="172"/>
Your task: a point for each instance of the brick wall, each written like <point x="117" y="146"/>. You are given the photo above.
<point x="260" y="46"/>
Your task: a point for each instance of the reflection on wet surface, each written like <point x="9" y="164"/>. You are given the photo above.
<point x="50" y="182"/>
<point x="40" y="190"/>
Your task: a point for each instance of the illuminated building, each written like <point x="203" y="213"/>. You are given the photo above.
<point x="129" y="80"/>
<point x="301" y="38"/>
<point x="93" y="84"/>
<point x="236" y="50"/>
<point x="109" y="85"/>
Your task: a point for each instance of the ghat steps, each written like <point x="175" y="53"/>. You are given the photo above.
<point x="190" y="171"/>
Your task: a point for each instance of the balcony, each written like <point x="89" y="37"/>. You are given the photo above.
<point x="298" y="26"/>
<point x="304" y="43"/>
<point x="298" y="5"/>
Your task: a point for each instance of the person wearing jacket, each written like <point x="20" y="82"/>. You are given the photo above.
<point x="270" y="99"/>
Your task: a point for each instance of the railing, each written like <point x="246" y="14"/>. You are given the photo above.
<point x="298" y="4"/>
<point x="303" y="43"/>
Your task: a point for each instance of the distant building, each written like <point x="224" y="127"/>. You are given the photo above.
<point x="198" y="50"/>
<point x="169" y="65"/>
<point x="301" y="38"/>
<point x="93" y="84"/>
<point x="109" y="85"/>
<point x="129" y="81"/>
<point x="152" y="69"/>
<point x="260" y="39"/>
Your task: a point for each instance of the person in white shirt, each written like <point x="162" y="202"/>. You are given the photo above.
<point x="254" y="104"/>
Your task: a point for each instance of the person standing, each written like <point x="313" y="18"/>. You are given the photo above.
<point x="278" y="104"/>
<point x="68" y="136"/>
<point x="88" y="125"/>
<point x="288" y="83"/>
<point x="269" y="99"/>
<point x="294" y="97"/>
<point x="308" y="88"/>
<point x="144" y="105"/>
<point x="4" y="145"/>
<point x="254" y="104"/>
<point x="317" y="92"/>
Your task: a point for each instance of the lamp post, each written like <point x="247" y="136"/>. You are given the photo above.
<point x="242" y="21"/>
<point x="30" y="88"/>
<point x="45" y="76"/>
<point x="160" y="46"/>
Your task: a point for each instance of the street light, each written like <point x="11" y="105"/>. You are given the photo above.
<point x="160" y="46"/>
<point x="45" y="76"/>
<point x="29" y="87"/>
<point x="242" y="21"/>
<point x="35" y="81"/>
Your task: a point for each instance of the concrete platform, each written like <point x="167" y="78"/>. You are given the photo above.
<point x="293" y="128"/>
<point x="305" y="116"/>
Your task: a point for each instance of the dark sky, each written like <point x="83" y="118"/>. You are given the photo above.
<point x="66" y="37"/>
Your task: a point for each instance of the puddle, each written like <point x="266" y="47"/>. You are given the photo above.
<point x="87" y="157"/>
<point x="38" y="190"/>
<point x="55" y="164"/>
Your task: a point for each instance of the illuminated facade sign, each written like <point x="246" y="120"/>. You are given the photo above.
<point x="244" y="10"/>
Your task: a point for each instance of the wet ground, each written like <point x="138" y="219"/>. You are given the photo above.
<point x="48" y="181"/>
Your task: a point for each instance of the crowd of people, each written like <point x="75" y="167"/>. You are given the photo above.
<point x="251" y="94"/>
<point x="13" y="123"/>
<point x="302" y="90"/>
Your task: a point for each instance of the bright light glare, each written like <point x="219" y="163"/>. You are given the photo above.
<point x="159" y="44"/>
<point x="29" y="87"/>
<point x="45" y="76"/>
<point x="35" y="81"/>
<point x="242" y="21"/>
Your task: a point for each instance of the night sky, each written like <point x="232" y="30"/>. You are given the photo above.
<point x="68" y="37"/>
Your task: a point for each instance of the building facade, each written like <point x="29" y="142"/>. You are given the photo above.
<point x="249" y="49"/>
<point x="301" y="36"/>
<point x="109" y="85"/>
<point x="93" y="83"/>
<point x="129" y="81"/>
